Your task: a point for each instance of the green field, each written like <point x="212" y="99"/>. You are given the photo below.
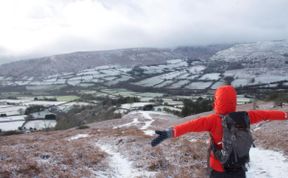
<point x="67" y="98"/>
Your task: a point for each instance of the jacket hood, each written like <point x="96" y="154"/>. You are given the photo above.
<point x="225" y="100"/>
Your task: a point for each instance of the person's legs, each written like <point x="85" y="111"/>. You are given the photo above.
<point x="234" y="174"/>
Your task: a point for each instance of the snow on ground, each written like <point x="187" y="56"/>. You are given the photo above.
<point x="118" y="80"/>
<point x="68" y="106"/>
<point x="143" y="123"/>
<point x="172" y="75"/>
<point x="147" y="123"/>
<point x="241" y="82"/>
<point x="78" y="136"/>
<point x="148" y="120"/>
<point x="12" y="118"/>
<point x="11" y="109"/>
<point x="174" y="61"/>
<point x="134" y="122"/>
<point x="252" y="76"/>
<point x="211" y="76"/>
<point x="129" y="106"/>
<point x="179" y="84"/>
<point x="196" y="69"/>
<point x="150" y="81"/>
<point x="267" y="164"/>
<point x="216" y="85"/>
<point x="185" y="76"/>
<point x="163" y="84"/>
<point x="7" y="126"/>
<point x="40" y="124"/>
<point x="120" y="166"/>
<point x="198" y="85"/>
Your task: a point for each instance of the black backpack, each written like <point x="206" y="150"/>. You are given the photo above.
<point x="236" y="141"/>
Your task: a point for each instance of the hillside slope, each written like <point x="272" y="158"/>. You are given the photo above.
<point x="74" y="62"/>
<point x="121" y="148"/>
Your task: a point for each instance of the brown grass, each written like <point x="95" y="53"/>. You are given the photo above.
<point x="48" y="156"/>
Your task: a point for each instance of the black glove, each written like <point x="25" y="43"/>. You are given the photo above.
<point x="162" y="135"/>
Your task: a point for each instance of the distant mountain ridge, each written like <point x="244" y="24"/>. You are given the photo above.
<point x="258" y="54"/>
<point x="74" y="62"/>
<point x="260" y="64"/>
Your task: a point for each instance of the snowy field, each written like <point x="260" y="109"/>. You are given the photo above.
<point x="256" y="76"/>
<point x="95" y="75"/>
<point x="179" y="84"/>
<point x="210" y="76"/>
<point x="143" y="120"/>
<point x="40" y="124"/>
<point x="249" y="50"/>
<point x="196" y="69"/>
<point x="198" y="85"/>
<point x="12" y="110"/>
<point x="7" y="126"/>
<point x="164" y="84"/>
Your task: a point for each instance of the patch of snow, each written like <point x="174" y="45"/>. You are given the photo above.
<point x="129" y="106"/>
<point x="78" y="136"/>
<point x="149" y="132"/>
<point x="241" y="82"/>
<point x="12" y="109"/>
<point x="198" y="85"/>
<point x="120" y="167"/>
<point x="267" y="164"/>
<point x="217" y="84"/>
<point x="174" y="61"/>
<point x="185" y="75"/>
<point x="196" y="69"/>
<point x="7" y="126"/>
<point x="150" y="81"/>
<point x="194" y="140"/>
<point x="12" y="118"/>
<point x="44" y="103"/>
<point x="134" y="122"/>
<point x="171" y="75"/>
<point x="211" y="76"/>
<point x="149" y="121"/>
<point x="122" y="78"/>
<point x="179" y="84"/>
<point x="163" y="84"/>
<point x="40" y="124"/>
<point x="144" y="122"/>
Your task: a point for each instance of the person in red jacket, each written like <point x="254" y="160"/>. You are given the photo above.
<point x="225" y="101"/>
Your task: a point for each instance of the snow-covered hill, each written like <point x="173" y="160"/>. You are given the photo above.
<point x="273" y="53"/>
<point x="75" y="62"/>
<point x="263" y="64"/>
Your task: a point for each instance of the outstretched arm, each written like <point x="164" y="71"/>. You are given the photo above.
<point x="197" y="125"/>
<point x="262" y="115"/>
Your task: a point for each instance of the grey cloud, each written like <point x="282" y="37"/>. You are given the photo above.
<point x="170" y="23"/>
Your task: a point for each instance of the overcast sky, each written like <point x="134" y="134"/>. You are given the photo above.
<point x="44" y="27"/>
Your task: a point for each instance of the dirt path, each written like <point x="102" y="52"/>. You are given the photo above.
<point x="119" y="166"/>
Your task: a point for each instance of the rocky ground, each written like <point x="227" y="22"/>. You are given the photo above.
<point x="121" y="148"/>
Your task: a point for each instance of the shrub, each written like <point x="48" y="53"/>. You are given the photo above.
<point x="80" y="115"/>
<point x="83" y="127"/>
<point x="198" y="106"/>
<point x="33" y="109"/>
<point x="12" y="132"/>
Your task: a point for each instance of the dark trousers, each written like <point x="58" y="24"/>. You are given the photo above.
<point x="235" y="174"/>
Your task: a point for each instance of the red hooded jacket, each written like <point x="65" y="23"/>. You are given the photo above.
<point x="225" y="101"/>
